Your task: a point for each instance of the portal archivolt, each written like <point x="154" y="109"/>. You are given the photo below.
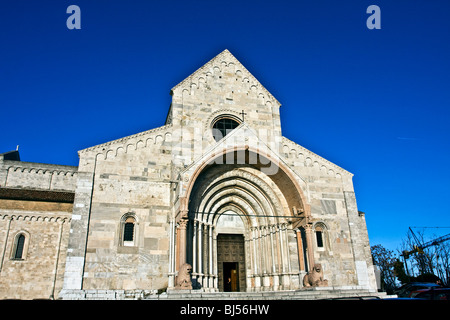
<point x="262" y="209"/>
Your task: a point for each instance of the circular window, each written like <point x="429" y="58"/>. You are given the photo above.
<point x="222" y="127"/>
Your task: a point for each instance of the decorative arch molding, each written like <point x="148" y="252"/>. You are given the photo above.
<point x="112" y="149"/>
<point x="236" y="206"/>
<point x="24" y="245"/>
<point x="322" y="240"/>
<point x="221" y="113"/>
<point x="225" y="62"/>
<point x="217" y="115"/>
<point x="298" y="154"/>
<point x="286" y="180"/>
<point x="265" y="204"/>
<point x="129" y="217"/>
<point x="249" y="187"/>
<point x="32" y="217"/>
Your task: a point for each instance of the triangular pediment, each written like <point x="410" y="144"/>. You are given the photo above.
<point x="225" y="64"/>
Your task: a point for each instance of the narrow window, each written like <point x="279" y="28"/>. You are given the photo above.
<point x="19" y="247"/>
<point x="128" y="232"/>
<point x="321" y="235"/>
<point x="319" y="238"/>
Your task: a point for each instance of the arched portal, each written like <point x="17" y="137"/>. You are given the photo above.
<point x="242" y="200"/>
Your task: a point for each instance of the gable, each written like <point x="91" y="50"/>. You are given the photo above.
<point x="223" y="88"/>
<point x="225" y="66"/>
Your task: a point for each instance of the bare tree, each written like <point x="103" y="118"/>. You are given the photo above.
<point x="385" y="260"/>
<point x="442" y="254"/>
<point x="424" y="263"/>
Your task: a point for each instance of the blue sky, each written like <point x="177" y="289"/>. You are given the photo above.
<point x="375" y="102"/>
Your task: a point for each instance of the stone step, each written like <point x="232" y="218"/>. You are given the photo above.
<point x="307" y="294"/>
<point x="303" y="294"/>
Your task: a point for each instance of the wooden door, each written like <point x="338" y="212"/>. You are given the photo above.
<point x="231" y="262"/>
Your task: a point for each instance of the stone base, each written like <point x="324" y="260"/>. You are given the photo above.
<point x="106" y="294"/>
<point x="312" y="293"/>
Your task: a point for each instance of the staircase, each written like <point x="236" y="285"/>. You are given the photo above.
<point x="317" y="293"/>
<point x="303" y="294"/>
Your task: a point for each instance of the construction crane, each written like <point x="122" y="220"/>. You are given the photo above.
<point x="421" y="246"/>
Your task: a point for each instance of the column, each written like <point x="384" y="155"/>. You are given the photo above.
<point x="211" y="279"/>
<point x="249" y="261"/>
<point x="272" y="249"/>
<point x="301" y="259"/>
<point x="266" y="257"/>
<point x="285" y="257"/>
<point x="200" y="255"/>
<point x="276" y="280"/>
<point x="171" y="254"/>
<point x="256" y="259"/>
<point x="288" y="255"/>
<point x="282" y="248"/>
<point x="216" y="276"/>
<point x="205" y="256"/>
<point x="194" y="252"/>
<point x="261" y="250"/>
<point x="182" y="242"/>
<point x="309" y="246"/>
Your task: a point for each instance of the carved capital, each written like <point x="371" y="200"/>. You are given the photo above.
<point x="182" y="224"/>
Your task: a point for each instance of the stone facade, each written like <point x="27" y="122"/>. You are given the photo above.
<point x="146" y="204"/>
<point x="36" y="202"/>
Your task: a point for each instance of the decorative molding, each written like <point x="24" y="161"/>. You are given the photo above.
<point x="35" y="168"/>
<point x="225" y="59"/>
<point x="34" y="217"/>
<point x="115" y="145"/>
<point x="312" y="159"/>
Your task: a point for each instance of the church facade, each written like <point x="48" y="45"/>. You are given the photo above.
<point x="217" y="189"/>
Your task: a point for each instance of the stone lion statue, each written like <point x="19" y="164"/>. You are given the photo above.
<point x="314" y="278"/>
<point x="184" y="277"/>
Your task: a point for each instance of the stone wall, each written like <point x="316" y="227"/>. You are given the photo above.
<point x="35" y="201"/>
<point x="30" y="175"/>
<point x="127" y="177"/>
<point x="345" y="256"/>
<point x="39" y="274"/>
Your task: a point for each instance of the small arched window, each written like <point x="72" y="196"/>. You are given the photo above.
<point x="20" y="246"/>
<point x="320" y="231"/>
<point x="223" y="126"/>
<point x="128" y="230"/>
<point x="319" y="238"/>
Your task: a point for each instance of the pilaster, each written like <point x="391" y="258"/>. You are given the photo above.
<point x="79" y="227"/>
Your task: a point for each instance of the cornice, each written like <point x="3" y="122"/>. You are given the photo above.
<point x="32" y="216"/>
<point x="291" y="145"/>
<point x="103" y="147"/>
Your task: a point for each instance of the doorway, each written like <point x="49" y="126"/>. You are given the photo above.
<point x="230" y="277"/>
<point x="231" y="262"/>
